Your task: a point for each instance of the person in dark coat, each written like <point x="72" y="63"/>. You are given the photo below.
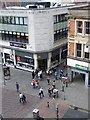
<point x="49" y="92"/>
<point x="17" y="86"/>
<point x="48" y="80"/>
<point x="24" y="98"/>
<point x="33" y="75"/>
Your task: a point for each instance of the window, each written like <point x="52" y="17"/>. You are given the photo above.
<point x="60" y="27"/>
<point x="55" y="18"/>
<point x="0" y="19"/>
<point x="25" y="20"/>
<point x="87" y="55"/>
<point x="87" y="27"/>
<point x="21" y="20"/>
<point x="5" y="19"/>
<point x="78" y="49"/>
<point x="79" y="26"/>
<point x="16" y="20"/>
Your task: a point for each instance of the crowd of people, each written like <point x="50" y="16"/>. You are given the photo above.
<point x="37" y="77"/>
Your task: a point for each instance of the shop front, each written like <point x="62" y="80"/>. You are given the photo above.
<point x="8" y="58"/>
<point x="24" y="60"/>
<point x="72" y="72"/>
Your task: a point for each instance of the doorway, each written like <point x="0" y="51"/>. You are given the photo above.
<point x="42" y="64"/>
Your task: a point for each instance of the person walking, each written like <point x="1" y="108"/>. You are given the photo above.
<point x="33" y="75"/>
<point x="41" y="92"/>
<point x="49" y="92"/>
<point x="17" y="87"/>
<point x="54" y="83"/>
<point x="56" y="74"/>
<point x="24" y="99"/>
<point x="20" y="97"/>
<point x="48" y="80"/>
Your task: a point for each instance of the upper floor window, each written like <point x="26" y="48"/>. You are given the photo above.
<point x="79" y="26"/>
<point x="87" y="27"/>
<point x="60" y="27"/>
<point x="14" y="20"/>
<point x="78" y="49"/>
<point x="87" y="55"/>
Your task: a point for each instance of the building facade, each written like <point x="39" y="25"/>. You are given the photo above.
<point x="33" y="38"/>
<point x="78" y="60"/>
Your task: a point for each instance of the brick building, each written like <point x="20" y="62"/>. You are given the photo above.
<point x="78" y="60"/>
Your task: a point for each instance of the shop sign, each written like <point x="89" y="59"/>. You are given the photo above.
<point x="81" y="67"/>
<point x="20" y="45"/>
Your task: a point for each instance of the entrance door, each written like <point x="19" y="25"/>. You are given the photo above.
<point x="42" y="64"/>
<point x="83" y="76"/>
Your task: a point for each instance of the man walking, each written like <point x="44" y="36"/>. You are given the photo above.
<point x="17" y="86"/>
<point x="33" y="75"/>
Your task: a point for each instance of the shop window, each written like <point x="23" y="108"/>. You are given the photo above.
<point x="87" y="27"/>
<point x="87" y="55"/>
<point x="79" y="26"/>
<point x="78" y="49"/>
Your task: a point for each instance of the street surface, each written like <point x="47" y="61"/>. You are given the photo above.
<point x="76" y="94"/>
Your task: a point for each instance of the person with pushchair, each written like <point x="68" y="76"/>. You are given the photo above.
<point x="22" y="98"/>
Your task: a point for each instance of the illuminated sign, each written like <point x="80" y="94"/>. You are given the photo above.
<point x="20" y="45"/>
<point x="81" y="67"/>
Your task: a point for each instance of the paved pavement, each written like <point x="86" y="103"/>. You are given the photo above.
<point x="76" y="94"/>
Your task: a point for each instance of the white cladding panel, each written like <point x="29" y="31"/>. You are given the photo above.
<point x="43" y="27"/>
<point x="71" y="62"/>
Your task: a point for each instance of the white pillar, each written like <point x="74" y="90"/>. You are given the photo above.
<point x="35" y="61"/>
<point x="82" y="52"/>
<point x="49" y="60"/>
<point x="3" y="56"/>
<point x="83" y="29"/>
<point x="73" y="74"/>
<point x="86" y="79"/>
<point x="69" y="74"/>
<point x="14" y="59"/>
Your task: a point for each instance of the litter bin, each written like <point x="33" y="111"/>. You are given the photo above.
<point x="36" y="113"/>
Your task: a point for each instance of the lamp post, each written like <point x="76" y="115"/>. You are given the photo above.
<point x="57" y="111"/>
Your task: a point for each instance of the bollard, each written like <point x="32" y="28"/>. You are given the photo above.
<point x="48" y="104"/>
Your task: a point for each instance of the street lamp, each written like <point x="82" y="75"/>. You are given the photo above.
<point x="57" y="111"/>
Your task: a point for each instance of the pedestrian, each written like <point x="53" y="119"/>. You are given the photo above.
<point x="41" y="76"/>
<point x="56" y="74"/>
<point x="49" y="92"/>
<point x="33" y="75"/>
<point x="24" y="98"/>
<point x="54" y="95"/>
<point x="17" y="86"/>
<point x="41" y="92"/>
<point x="48" y="80"/>
<point x="54" y="83"/>
<point x="33" y="83"/>
<point x="20" y="97"/>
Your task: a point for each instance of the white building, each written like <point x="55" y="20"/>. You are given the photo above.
<point x="32" y="38"/>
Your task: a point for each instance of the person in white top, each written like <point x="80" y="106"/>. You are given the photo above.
<point x="20" y="97"/>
